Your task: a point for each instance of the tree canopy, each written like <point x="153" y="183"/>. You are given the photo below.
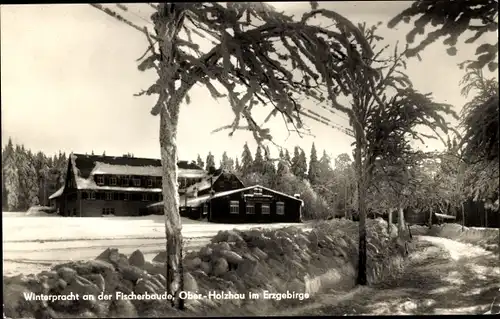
<point x="453" y="19"/>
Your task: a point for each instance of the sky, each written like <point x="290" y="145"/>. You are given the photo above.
<point x="69" y="74"/>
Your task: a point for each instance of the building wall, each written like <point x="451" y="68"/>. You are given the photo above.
<point x="219" y="210"/>
<point x="94" y="208"/>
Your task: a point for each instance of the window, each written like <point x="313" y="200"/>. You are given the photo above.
<point x="85" y="195"/>
<point x="145" y="197"/>
<point x="137" y="182"/>
<point x="280" y="208"/>
<point x="108" y="211"/>
<point x="234" y="184"/>
<point x="158" y="182"/>
<point x="112" y="181"/>
<point x="92" y="195"/>
<point x="100" y="180"/>
<point x="266" y="209"/>
<point x="250" y="209"/>
<point x="124" y="181"/>
<point x="205" y="209"/>
<point x="108" y="196"/>
<point x="150" y="182"/>
<point x="234" y="207"/>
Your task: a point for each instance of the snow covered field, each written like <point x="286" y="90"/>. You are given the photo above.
<point x="33" y="243"/>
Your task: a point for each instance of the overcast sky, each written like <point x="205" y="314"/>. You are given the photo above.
<point x="69" y="73"/>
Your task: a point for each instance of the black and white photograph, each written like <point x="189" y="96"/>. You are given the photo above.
<point x="221" y="159"/>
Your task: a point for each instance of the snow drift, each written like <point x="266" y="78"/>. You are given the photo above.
<point x="285" y="261"/>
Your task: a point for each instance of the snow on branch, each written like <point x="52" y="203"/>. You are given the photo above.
<point x="261" y="57"/>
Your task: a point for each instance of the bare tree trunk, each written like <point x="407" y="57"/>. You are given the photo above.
<point x="431" y="211"/>
<point x="401" y="221"/>
<point x="168" y="133"/>
<point x="463" y="216"/>
<point x="345" y="199"/>
<point x="485" y="218"/>
<point x="168" y="21"/>
<point x="361" y="279"/>
<point x="389" y="222"/>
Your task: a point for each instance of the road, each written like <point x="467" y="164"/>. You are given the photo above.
<point x="442" y="277"/>
<point x="32" y="244"/>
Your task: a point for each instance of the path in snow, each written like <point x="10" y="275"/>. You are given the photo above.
<point x="442" y="277"/>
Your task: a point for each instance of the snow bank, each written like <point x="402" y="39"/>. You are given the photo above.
<point x="486" y="238"/>
<point x="282" y="261"/>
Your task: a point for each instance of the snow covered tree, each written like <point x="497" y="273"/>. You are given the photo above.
<point x="246" y="160"/>
<point x="453" y="19"/>
<point x="210" y="162"/>
<point x="282" y="164"/>
<point x="244" y="57"/>
<point x="288" y="159"/>
<point x="269" y="169"/>
<point x="258" y="162"/>
<point x="237" y="166"/>
<point x="384" y="111"/>
<point x="200" y="162"/>
<point x="302" y="165"/>
<point x="227" y="163"/>
<point x="11" y="176"/>
<point x="313" y="172"/>
<point x="480" y="142"/>
<point x="295" y="161"/>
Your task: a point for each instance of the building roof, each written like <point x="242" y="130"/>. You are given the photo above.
<point x="195" y="202"/>
<point x="86" y="166"/>
<point x="444" y="216"/>
<point x="122" y="165"/>
<point x="208" y="181"/>
<point x="57" y="193"/>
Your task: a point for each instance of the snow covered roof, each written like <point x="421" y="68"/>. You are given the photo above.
<point x="149" y="170"/>
<point x="122" y="165"/>
<point x="195" y="202"/>
<point x="444" y="216"/>
<point x="206" y="183"/>
<point x="234" y="191"/>
<point x="57" y="193"/>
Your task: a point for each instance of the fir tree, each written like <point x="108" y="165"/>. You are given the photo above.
<point x="269" y="168"/>
<point x="258" y="162"/>
<point x="313" y="172"/>
<point x="302" y="165"/>
<point x="282" y="165"/>
<point x="295" y="161"/>
<point x="237" y="166"/>
<point x="246" y="160"/>
<point x="11" y="177"/>
<point x="226" y="162"/>
<point x="200" y="162"/>
<point x="210" y="161"/>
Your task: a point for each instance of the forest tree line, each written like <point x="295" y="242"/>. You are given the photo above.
<point x="326" y="189"/>
<point x="29" y="178"/>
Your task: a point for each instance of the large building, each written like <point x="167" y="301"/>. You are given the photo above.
<point x="103" y="185"/>
<point x="253" y="204"/>
<point x="130" y="186"/>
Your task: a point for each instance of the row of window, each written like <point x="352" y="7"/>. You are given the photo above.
<point x="125" y="181"/>
<point x="108" y="211"/>
<point x="121" y="196"/>
<point x="234" y="208"/>
<point x="136" y="182"/>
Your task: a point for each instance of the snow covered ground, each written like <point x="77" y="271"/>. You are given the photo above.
<point x="33" y="243"/>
